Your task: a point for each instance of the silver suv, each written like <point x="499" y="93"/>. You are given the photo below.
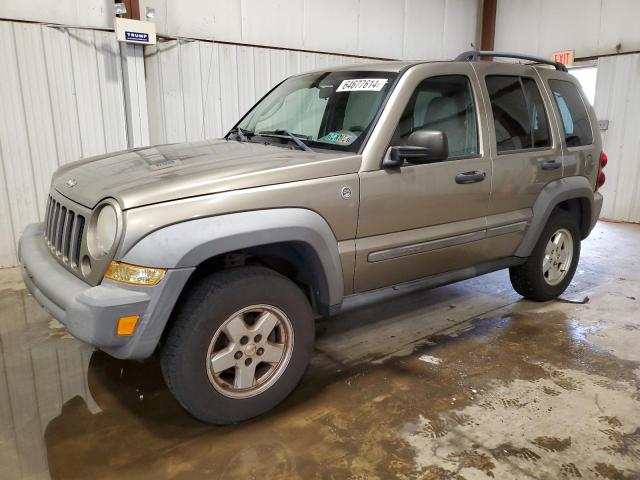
<point x="221" y="253"/>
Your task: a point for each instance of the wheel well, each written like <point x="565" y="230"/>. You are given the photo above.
<point x="581" y="208"/>
<point x="295" y="260"/>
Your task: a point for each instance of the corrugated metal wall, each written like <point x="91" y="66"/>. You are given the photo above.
<point x="198" y="90"/>
<point x="418" y="29"/>
<point x="380" y="28"/>
<point x="618" y="100"/>
<point x="590" y="27"/>
<point x="61" y="99"/>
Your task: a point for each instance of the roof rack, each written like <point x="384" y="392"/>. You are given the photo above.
<point x="474" y="55"/>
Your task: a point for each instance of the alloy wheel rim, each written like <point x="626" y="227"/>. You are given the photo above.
<point x="250" y="351"/>
<point x="558" y="256"/>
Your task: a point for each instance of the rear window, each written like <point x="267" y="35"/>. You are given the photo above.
<point x="519" y="116"/>
<point x="575" y="119"/>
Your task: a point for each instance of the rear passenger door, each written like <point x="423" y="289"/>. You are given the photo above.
<point x="526" y="151"/>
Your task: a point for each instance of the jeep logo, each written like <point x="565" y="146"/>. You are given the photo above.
<point x="72" y="182"/>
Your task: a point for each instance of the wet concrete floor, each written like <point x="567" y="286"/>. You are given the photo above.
<point x="465" y="381"/>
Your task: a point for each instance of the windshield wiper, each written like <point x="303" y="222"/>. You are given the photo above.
<point x="239" y="133"/>
<point x="286" y="133"/>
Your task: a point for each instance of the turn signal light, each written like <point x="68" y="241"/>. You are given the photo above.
<point x="134" y="274"/>
<point x="127" y="325"/>
<point x="601" y="179"/>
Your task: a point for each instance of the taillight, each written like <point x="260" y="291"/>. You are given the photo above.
<point x="601" y="176"/>
<point x="603" y="160"/>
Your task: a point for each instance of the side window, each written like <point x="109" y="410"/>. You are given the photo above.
<point x="575" y="119"/>
<point x="518" y="113"/>
<point x="539" y="124"/>
<point x="446" y="104"/>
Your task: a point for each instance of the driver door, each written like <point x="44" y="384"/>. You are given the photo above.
<point x="423" y="219"/>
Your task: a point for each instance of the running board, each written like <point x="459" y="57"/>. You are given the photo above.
<point x="357" y="300"/>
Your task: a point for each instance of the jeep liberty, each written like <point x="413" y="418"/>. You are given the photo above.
<point x="221" y="253"/>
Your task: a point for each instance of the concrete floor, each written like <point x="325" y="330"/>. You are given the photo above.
<point x="462" y="382"/>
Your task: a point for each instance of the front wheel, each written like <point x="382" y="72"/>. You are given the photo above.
<point x="239" y="345"/>
<point x="548" y="271"/>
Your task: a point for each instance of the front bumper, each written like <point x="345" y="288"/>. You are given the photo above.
<point x="91" y="313"/>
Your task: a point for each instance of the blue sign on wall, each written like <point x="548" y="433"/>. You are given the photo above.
<point x="136" y="36"/>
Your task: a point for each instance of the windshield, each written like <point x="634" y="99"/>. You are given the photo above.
<point x="333" y="110"/>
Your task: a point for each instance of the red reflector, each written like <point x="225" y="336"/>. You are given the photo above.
<point x="601" y="179"/>
<point x="603" y="160"/>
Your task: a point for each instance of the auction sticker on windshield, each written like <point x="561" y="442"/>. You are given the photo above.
<point x="362" y="85"/>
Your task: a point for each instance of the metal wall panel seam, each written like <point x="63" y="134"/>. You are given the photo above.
<point x="181" y="83"/>
<point x="141" y="87"/>
<point x="102" y="92"/>
<point x="100" y="87"/>
<point x="211" y="114"/>
<point x="16" y="148"/>
<point x="161" y="49"/>
<point x="161" y="98"/>
<point x="21" y="96"/>
<point x="24" y="116"/>
<point x="158" y="99"/>
<point x="203" y="89"/>
<point x="34" y="94"/>
<point x="616" y="66"/>
<point x="193" y="95"/>
<point x="47" y="78"/>
<point x="87" y="92"/>
<point x="75" y="90"/>
<point x="117" y="118"/>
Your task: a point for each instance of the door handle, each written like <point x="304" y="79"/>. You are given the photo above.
<point x="551" y="165"/>
<point x="470" y="177"/>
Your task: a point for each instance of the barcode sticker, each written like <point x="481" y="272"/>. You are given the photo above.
<point x="362" y="85"/>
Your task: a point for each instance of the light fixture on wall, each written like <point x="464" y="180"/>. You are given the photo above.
<point x="150" y="13"/>
<point x="119" y="9"/>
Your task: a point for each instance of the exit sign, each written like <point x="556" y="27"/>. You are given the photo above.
<point x="565" y="57"/>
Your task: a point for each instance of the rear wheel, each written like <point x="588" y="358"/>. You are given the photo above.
<point x="239" y="345"/>
<point x="548" y="271"/>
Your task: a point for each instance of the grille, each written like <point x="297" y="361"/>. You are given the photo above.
<point x="63" y="230"/>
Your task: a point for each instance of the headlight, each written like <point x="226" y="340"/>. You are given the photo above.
<point x="134" y="274"/>
<point x="103" y="231"/>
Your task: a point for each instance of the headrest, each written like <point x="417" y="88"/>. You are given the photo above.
<point x="441" y="109"/>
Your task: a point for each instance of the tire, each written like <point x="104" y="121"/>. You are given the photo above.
<point x="530" y="279"/>
<point x="206" y="329"/>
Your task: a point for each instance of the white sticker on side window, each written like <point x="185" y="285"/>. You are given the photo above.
<point x="362" y="85"/>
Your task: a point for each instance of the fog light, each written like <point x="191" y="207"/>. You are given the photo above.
<point x="127" y="325"/>
<point x="134" y="274"/>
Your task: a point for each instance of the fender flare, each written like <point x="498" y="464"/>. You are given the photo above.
<point x="188" y="244"/>
<point x="551" y="195"/>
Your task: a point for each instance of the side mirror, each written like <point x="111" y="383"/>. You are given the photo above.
<point x="423" y="146"/>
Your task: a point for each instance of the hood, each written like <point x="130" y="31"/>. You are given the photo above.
<point x="167" y="172"/>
